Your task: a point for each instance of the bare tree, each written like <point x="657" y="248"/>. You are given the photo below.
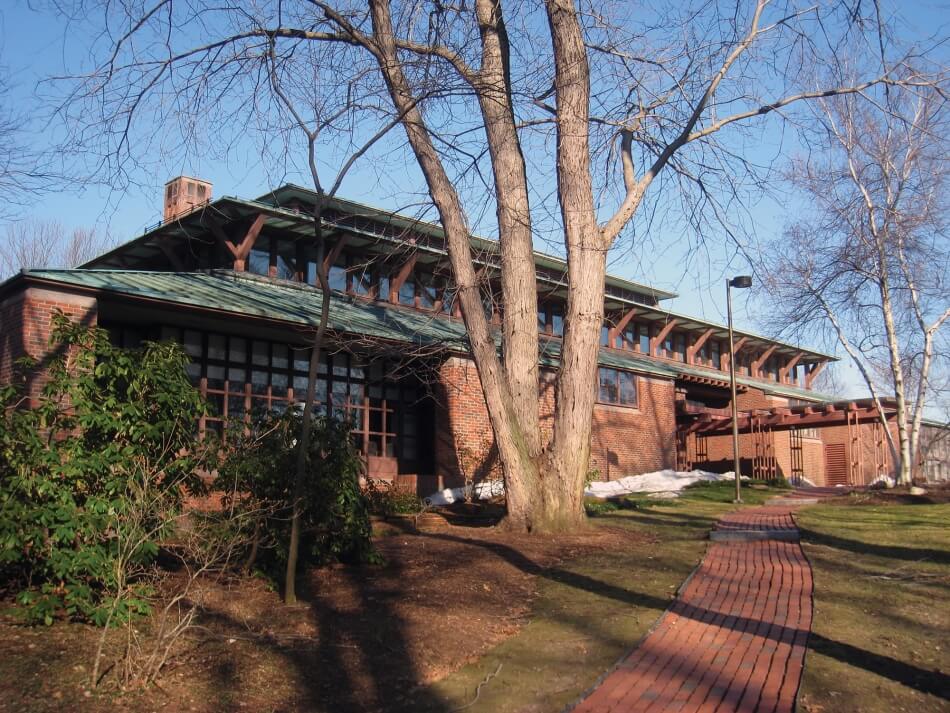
<point x="34" y="243"/>
<point x="870" y="265"/>
<point x="635" y="106"/>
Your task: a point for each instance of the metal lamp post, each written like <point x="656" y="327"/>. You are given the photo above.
<point x="739" y="282"/>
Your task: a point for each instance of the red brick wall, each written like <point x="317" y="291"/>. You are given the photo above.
<point x="630" y="441"/>
<point x="25" y="320"/>
<point x="463" y="436"/>
<point x="625" y="441"/>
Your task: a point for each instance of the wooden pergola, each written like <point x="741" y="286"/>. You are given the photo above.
<point x="846" y="460"/>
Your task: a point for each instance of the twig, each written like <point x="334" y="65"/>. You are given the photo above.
<point x="478" y="690"/>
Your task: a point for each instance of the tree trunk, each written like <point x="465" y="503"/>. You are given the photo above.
<point x="902" y="466"/>
<point x="568" y="454"/>
<point x="518" y="277"/>
<point x="518" y="462"/>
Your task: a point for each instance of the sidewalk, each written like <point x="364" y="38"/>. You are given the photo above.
<point x="734" y="639"/>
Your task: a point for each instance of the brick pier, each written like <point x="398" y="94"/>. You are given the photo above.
<point x="734" y="638"/>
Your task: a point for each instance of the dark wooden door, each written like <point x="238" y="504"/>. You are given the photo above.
<point x="836" y="464"/>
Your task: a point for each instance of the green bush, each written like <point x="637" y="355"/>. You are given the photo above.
<point x="386" y="499"/>
<point x="93" y="478"/>
<point x="597" y="507"/>
<point x="258" y="476"/>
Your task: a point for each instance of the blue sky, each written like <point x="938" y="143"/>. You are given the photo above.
<point x="32" y="47"/>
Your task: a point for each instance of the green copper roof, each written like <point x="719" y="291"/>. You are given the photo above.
<point x="243" y="294"/>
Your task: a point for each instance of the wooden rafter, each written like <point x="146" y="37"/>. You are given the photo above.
<point x="334" y="254"/>
<point x="661" y="335"/>
<point x="763" y="357"/>
<point x="789" y="365"/>
<point x="813" y="372"/>
<point x="620" y="326"/>
<point x="697" y="345"/>
<point x="736" y="348"/>
<point x="241" y="250"/>
<point x="400" y="277"/>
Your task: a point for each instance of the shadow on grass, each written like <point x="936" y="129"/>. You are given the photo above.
<point x="931" y="682"/>
<point x="912" y="554"/>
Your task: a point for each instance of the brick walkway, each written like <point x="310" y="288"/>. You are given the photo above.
<point x="733" y="640"/>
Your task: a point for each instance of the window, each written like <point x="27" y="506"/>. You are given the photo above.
<point x="551" y="318"/>
<point x="617" y="387"/>
<point x="630" y="336"/>
<point x="336" y="277"/>
<point x="259" y="261"/>
<point x="407" y="293"/>
<point x="241" y="377"/>
<point x="427" y="290"/>
<point x="716" y="354"/>
<point x="644" y="339"/>
<point x="679" y="346"/>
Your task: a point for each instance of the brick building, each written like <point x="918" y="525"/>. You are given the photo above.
<point x="233" y="281"/>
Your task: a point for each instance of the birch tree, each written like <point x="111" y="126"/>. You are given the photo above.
<point x="869" y="264"/>
<point x="593" y="114"/>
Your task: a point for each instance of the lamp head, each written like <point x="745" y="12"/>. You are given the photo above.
<point x="741" y="281"/>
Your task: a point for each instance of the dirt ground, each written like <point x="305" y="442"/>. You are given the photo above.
<point x="361" y="639"/>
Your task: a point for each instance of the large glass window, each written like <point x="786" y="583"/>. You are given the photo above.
<point x="241" y="377"/>
<point x="644" y="338"/>
<point x="616" y="386"/>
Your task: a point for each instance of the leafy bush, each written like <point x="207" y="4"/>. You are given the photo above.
<point x="386" y="499"/>
<point x="597" y="507"/>
<point x="257" y="476"/>
<point x="94" y="476"/>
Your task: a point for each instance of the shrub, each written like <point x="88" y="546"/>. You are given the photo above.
<point x="597" y="507"/>
<point x="257" y="476"/>
<point x="93" y="478"/>
<point x="387" y="499"/>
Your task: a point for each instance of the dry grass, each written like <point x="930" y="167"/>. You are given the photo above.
<point x="881" y="637"/>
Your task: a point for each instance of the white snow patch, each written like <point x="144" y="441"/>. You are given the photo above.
<point x="482" y="491"/>
<point x="662" y="483"/>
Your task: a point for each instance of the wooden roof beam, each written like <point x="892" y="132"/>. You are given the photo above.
<point x="763" y="357"/>
<point x="813" y="373"/>
<point x="662" y="335"/>
<point x="736" y="348"/>
<point x="620" y="326"/>
<point x="241" y="250"/>
<point x="789" y="365"/>
<point x="400" y="278"/>
<point x="697" y="345"/>
<point x="334" y="254"/>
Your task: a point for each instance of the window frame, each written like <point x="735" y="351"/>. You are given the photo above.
<point x="618" y="375"/>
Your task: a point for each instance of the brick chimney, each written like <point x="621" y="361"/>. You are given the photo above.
<point x="183" y="195"/>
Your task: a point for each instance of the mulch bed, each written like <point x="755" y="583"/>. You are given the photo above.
<point x="937" y="493"/>
<point x="361" y="639"/>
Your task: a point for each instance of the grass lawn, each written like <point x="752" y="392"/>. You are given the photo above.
<point x="881" y="635"/>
